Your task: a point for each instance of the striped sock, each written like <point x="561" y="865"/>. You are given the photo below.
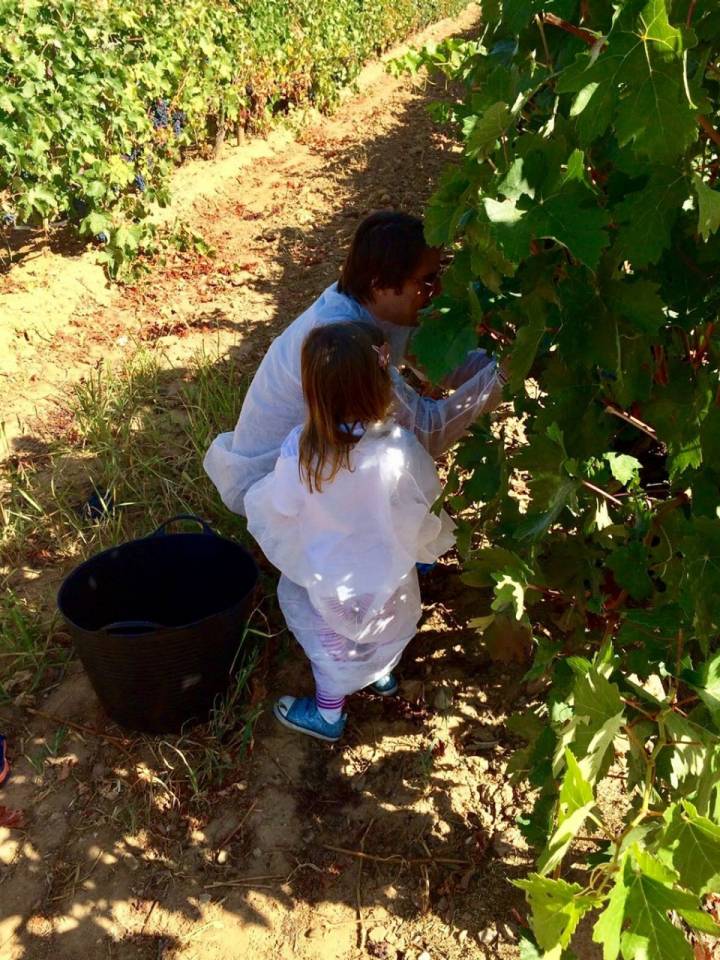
<point x="329" y="708"/>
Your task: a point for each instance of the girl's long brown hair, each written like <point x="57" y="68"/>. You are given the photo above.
<point x="343" y="383"/>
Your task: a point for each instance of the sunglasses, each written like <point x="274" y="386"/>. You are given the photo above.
<point x="428" y="282"/>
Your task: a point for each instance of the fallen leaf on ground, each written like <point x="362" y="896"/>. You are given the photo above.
<point x="12" y="819"/>
<point x="508" y="640"/>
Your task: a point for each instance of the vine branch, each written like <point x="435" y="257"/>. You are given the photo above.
<point x="709" y="129"/>
<point x="617" y="411"/>
<point x="587" y="36"/>
<point x="602" y="493"/>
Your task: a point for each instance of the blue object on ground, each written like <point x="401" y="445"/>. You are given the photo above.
<point x="386" y="686"/>
<point x="301" y="714"/>
<point x="98" y="505"/>
<point x="423" y="568"/>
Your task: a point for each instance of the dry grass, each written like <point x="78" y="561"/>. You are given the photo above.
<point x="125" y="456"/>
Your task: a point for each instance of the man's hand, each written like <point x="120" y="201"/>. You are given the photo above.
<point x="504" y="369"/>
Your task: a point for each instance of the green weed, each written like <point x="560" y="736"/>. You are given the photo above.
<point x="51" y="747"/>
<point x="29" y="651"/>
<point x="137" y="440"/>
<point x="200" y="761"/>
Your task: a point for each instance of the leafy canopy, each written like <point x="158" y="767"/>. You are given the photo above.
<point x="584" y="218"/>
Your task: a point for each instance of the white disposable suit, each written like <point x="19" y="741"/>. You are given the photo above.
<point x="274" y="403"/>
<point x="349" y="588"/>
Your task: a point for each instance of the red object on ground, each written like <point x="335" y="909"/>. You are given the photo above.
<point x="4" y="765"/>
<point x="12" y="819"/>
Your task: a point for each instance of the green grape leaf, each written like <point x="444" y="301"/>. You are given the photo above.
<point x="516" y="13"/>
<point x="640" y="80"/>
<point x="570" y="216"/>
<point x="650" y="934"/>
<point x="677" y="420"/>
<point x="706" y="491"/>
<point x="652" y="894"/>
<point x="645" y="217"/>
<point x="486" y="258"/>
<point x="685" y="759"/>
<point x="526" y="344"/>
<point x="96" y="223"/>
<point x="481" y="455"/>
<point x="629" y="564"/>
<point x="695" y="845"/>
<point x="528" y="950"/>
<point x="624" y="468"/>
<point x="701" y="582"/>
<point x="594" y="696"/>
<point x="656" y="114"/>
<point x="707" y="794"/>
<point x="443" y="340"/>
<point x="509" y="594"/>
<point x="706" y="680"/>
<point x="120" y="172"/>
<point x="482" y="132"/>
<point x="650" y="636"/>
<point x="445" y="208"/>
<point x="575" y="802"/>
<point x="598" y="715"/>
<point x="484" y="563"/>
<point x="710" y="438"/>
<point x="557" y="908"/>
<point x="608" y="929"/>
<point x="485" y="481"/>
<point x="508" y="639"/>
<point x="708" y="208"/>
<point x="562" y="492"/>
<point x="639" y="302"/>
<point x="514" y="184"/>
<point x="593" y="106"/>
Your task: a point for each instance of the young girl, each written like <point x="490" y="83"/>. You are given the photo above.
<point x="345" y="516"/>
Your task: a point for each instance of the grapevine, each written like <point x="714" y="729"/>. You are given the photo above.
<point x="97" y="105"/>
<point x="584" y="219"/>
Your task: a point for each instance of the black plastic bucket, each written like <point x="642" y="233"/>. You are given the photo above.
<point x="157" y="624"/>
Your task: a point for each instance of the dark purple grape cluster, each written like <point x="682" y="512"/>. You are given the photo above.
<point x="79" y="207"/>
<point x="8" y="219"/>
<point x="179" y="119"/>
<point x="139" y="182"/>
<point x="102" y="237"/>
<point x="160" y="113"/>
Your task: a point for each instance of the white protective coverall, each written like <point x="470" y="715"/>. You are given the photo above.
<point x="349" y="588"/>
<point x="274" y="402"/>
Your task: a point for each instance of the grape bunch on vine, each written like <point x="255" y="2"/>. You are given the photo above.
<point x="584" y="216"/>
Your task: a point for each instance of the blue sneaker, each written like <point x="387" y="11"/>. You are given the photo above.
<point x="301" y="714"/>
<point x="4" y="765"/>
<point x="423" y="568"/>
<point x="386" y="686"/>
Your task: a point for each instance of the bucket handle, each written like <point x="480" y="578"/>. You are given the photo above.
<point x="162" y="529"/>
<point x="132" y="626"/>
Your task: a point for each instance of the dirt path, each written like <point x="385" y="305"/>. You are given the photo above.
<point x="109" y="865"/>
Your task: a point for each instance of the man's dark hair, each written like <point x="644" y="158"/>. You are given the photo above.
<point x="384" y="253"/>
